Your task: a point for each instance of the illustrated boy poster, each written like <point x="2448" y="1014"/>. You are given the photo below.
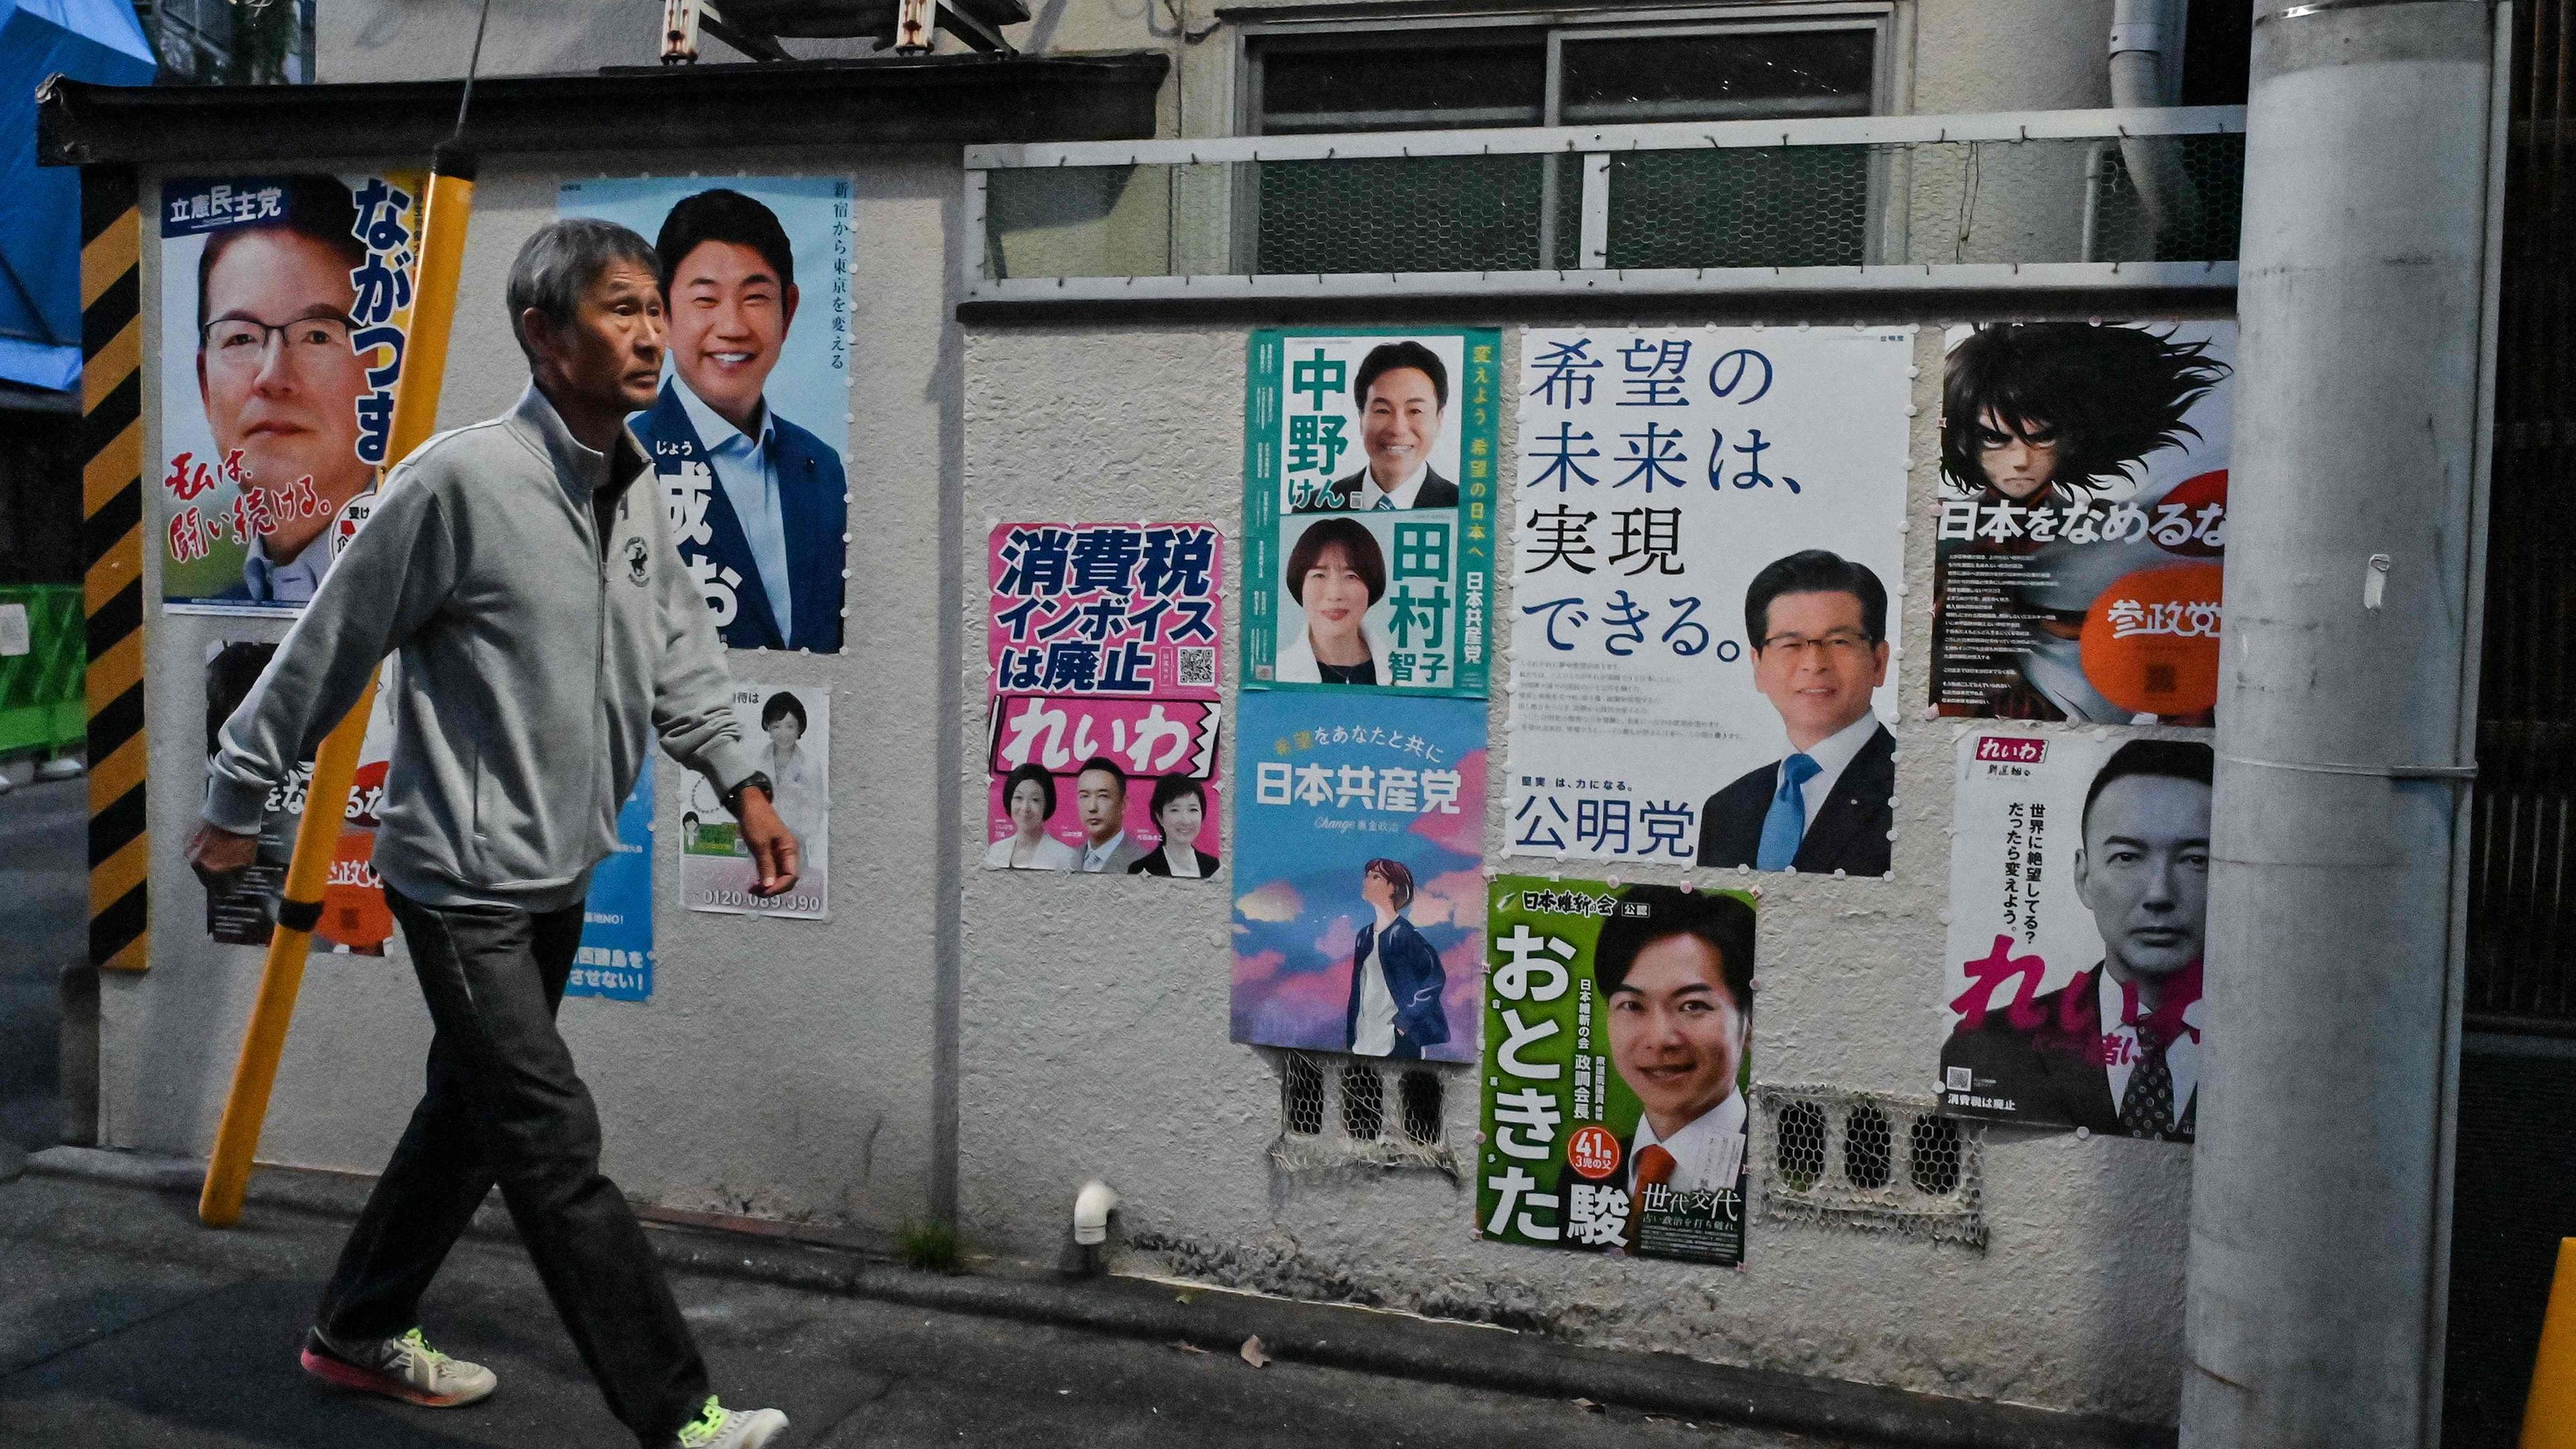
<point x="793" y="728"/>
<point x="1707" y="548"/>
<point x="1103" y="641"/>
<point x="285" y="301"/>
<point x="1359" y="889"/>
<point x="2079" y="905"/>
<point x="1618" y="1053"/>
<point x="2083" y="521"/>
<point x="354" y="917"/>
<point x="615" y="958"/>
<point x="749" y="437"/>
<point x="1368" y="508"/>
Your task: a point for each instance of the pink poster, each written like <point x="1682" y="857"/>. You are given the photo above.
<point x="1103" y="645"/>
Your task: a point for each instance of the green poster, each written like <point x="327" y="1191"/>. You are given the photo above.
<point x="1618" y="1034"/>
<point x="1369" y="498"/>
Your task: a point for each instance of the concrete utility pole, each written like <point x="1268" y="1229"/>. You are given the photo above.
<point x="2320" y="1223"/>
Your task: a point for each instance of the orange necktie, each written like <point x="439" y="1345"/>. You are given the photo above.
<point x="1655" y="1167"/>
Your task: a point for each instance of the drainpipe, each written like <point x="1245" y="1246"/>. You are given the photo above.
<point x="2316" y="1274"/>
<point x="2142" y="44"/>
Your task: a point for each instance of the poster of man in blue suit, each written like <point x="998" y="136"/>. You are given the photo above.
<point x="756" y="288"/>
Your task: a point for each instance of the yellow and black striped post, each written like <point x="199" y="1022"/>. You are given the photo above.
<point x="112" y="545"/>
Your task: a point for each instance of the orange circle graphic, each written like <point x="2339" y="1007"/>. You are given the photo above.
<point x="2151" y="640"/>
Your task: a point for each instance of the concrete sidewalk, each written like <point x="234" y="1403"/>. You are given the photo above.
<point x="124" y="1323"/>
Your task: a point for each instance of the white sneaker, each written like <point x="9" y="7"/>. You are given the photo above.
<point x="404" y="1368"/>
<point x="717" y="1427"/>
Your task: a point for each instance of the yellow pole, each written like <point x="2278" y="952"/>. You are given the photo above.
<point x="2549" y="1415"/>
<point x="317" y="837"/>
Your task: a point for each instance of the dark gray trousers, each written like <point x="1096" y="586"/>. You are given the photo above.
<point x="504" y="1105"/>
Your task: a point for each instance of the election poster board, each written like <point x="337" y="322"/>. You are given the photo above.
<point x="1102" y="642"/>
<point x="1369" y="496"/>
<point x="1664" y="473"/>
<point x="791" y="730"/>
<point x="285" y="302"/>
<point x="749" y="438"/>
<point x="615" y="959"/>
<point x="2079" y="892"/>
<point x="355" y="919"/>
<point x="1617" y="1062"/>
<point x="1358" y="842"/>
<point x="2083" y="521"/>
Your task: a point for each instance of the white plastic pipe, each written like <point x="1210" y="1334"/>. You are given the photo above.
<point x="1091" y="1209"/>
<point x="2141" y="38"/>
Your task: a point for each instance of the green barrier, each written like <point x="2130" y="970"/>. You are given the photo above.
<point x="42" y="707"/>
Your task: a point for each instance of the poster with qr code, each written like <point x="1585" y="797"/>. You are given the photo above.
<point x="1103" y="641"/>
<point x="2082" y="524"/>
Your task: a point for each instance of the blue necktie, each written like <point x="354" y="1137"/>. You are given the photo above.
<point x="1384" y="504"/>
<point x="1785" y="824"/>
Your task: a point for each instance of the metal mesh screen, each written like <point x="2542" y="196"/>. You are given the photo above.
<point x="1869" y="1161"/>
<point x="1923" y="203"/>
<point x="1797" y="206"/>
<point x="1338" y="1112"/>
<point x="1415" y="214"/>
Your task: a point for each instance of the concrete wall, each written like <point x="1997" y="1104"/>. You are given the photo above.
<point x="1090" y="1048"/>
<point x="783" y="1068"/>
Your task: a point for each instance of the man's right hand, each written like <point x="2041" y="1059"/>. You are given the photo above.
<point x="219" y="856"/>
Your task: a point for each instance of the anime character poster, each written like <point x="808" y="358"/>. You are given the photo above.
<point x="2079" y="900"/>
<point x="1707" y="545"/>
<point x="2083" y="521"/>
<point x="1369" y="498"/>
<point x="1103" y="641"/>
<point x="615" y="959"/>
<point x="355" y="918"/>
<point x="1618" y="1052"/>
<point x="285" y="302"/>
<point x="749" y="439"/>
<point x="1359" y="907"/>
<point x="793" y="729"/>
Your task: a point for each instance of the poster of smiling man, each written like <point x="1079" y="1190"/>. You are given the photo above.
<point x="2079" y="904"/>
<point x="287" y="300"/>
<point x="2083" y="521"/>
<point x="1707" y="542"/>
<point x="749" y="438"/>
<point x="1369" y="497"/>
<point x="1618" y="1036"/>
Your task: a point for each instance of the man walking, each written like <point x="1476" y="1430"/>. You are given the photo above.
<point x="548" y="631"/>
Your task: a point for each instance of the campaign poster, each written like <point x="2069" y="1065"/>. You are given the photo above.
<point x="285" y="302"/>
<point x="2083" y="521"/>
<point x="2079" y="905"/>
<point x="1102" y="641"/>
<point x="1708" y="542"/>
<point x="749" y="439"/>
<point x="1369" y="496"/>
<point x="615" y="959"/>
<point x="792" y="733"/>
<point x="1359" y="906"/>
<point x="1618" y="1055"/>
<point x="355" y="919"/>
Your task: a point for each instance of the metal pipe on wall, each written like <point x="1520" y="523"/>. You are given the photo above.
<point x="2314" y="1296"/>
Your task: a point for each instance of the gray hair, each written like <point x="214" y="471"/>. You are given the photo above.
<point x="556" y="264"/>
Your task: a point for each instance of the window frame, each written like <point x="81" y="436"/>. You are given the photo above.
<point x="1256" y="37"/>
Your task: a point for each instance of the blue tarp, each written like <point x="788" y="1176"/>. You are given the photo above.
<point x="40" y="302"/>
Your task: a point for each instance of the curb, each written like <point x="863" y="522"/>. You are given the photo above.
<point x="1327" y="1335"/>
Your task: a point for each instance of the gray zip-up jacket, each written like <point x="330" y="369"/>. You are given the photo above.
<point x="537" y="665"/>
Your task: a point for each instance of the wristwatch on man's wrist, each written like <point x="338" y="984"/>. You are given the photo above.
<point x="733" y="797"/>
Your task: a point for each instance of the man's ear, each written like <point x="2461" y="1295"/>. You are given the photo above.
<point x="537" y="332"/>
<point x="787" y="298"/>
<point x="2082" y="869"/>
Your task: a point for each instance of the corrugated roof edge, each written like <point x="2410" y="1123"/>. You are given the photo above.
<point x="875" y="101"/>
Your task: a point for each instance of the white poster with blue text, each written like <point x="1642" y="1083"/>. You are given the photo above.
<point x="1708" y="549"/>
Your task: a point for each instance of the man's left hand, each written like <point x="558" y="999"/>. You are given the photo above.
<point x="774" y="853"/>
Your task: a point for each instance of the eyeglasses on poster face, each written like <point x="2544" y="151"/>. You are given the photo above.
<point x="241" y="343"/>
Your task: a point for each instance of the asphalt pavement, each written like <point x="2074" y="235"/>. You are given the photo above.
<point x="43" y="921"/>
<point x="124" y="1323"/>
